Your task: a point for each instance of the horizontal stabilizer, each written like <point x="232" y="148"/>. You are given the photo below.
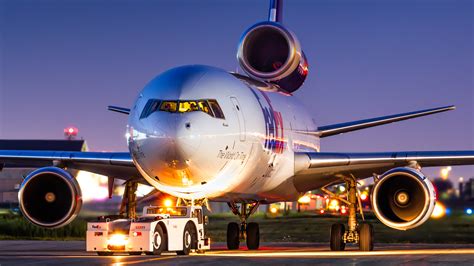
<point x="118" y="109"/>
<point x="330" y="130"/>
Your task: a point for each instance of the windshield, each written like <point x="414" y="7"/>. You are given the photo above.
<point x="208" y="106"/>
<point x="172" y="211"/>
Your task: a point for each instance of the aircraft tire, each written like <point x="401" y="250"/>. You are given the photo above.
<point x="253" y="236"/>
<point x="233" y="236"/>
<point x="366" y="237"/>
<point x="337" y="232"/>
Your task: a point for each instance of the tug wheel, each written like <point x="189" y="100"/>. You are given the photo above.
<point x="105" y="253"/>
<point x="159" y="241"/>
<point x="189" y="237"/>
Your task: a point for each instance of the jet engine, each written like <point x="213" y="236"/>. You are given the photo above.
<point x="403" y="198"/>
<point x="270" y="52"/>
<point x="50" y="197"/>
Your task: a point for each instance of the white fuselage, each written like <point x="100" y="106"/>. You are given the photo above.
<point x="245" y="156"/>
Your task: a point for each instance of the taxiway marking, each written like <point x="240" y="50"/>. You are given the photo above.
<point x="339" y="253"/>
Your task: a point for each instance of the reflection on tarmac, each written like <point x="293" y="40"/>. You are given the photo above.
<point x="72" y="253"/>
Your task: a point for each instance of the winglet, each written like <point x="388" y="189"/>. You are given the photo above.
<point x="118" y="109"/>
<point x="330" y="130"/>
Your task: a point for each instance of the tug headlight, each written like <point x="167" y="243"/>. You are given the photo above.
<point x="118" y="240"/>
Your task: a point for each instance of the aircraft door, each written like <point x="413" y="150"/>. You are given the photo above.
<point x="240" y="117"/>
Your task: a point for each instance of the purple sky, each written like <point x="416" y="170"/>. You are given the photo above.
<point x="63" y="62"/>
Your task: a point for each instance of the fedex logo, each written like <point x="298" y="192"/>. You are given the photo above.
<point x="274" y="132"/>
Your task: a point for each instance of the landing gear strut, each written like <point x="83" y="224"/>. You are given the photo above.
<point x="363" y="233"/>
<point x="128" y="208"/>
<point x="249" y="232"/>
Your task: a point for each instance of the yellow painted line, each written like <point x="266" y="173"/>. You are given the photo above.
<point x="118" y="263"/>
<point x="343" y="253"/>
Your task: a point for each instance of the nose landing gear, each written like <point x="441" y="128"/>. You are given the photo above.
<point x="363" y="233"/>
<point x="128" y="207"/>
<point x="249" y="232"/>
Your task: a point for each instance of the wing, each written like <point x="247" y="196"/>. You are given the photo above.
<point x="112" y="164"/>
<point x="335" y="129"/>
<point x="315" y="170"/>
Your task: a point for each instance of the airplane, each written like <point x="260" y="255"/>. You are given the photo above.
<point x="202" y="134"/>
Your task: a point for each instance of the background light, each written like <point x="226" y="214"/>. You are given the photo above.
<point x="273" y="210"/>
<point x="448" y="211"/>
<point x="92" y="186"/>
<point x="439" y="211"/>
<point x="445" y="172"/>
<point x="305" y="199"/>
<point x="468" y="211"/>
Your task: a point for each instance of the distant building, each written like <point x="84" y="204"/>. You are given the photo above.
<point x="467" y="192"/>
<point x="11" y="177"/>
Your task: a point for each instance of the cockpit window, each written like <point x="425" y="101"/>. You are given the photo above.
<point x="204" y="106"/>
<point x="216" y="109"/>
<point x="150" y="107"/>
<point x="169" y="106"/>
<point x="210" y="107"/>
<point x="188" y="106"/>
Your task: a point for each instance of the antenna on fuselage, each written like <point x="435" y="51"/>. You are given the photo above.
<point x="275" y="12"/>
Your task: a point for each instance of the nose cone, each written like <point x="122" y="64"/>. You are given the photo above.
<point x="167" y="151"/>
<point x="181" y="152"/>
<point x="176" y="143"/>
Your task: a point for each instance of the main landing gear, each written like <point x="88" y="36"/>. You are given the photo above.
<point x="249" y="232"/>
<point x="363" y="233"/>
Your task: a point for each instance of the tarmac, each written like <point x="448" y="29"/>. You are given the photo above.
<point x="17" y="252"/>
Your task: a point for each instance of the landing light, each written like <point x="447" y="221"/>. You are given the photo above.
<point x="439" y="211"/>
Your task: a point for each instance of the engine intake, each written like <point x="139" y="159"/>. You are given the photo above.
<point x="403" y="198"/>
<point x="50" y="197"/>
<point x="270" y="52"/>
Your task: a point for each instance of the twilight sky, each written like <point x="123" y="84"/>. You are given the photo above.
<point x="63" y="62"/>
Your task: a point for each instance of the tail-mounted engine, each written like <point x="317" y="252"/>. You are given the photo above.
<point x="50" y="197"/>
<point x="403" y="198"/>
<point x="270" y="52"/>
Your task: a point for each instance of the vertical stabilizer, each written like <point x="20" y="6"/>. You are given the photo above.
<point x="275" y="12"/>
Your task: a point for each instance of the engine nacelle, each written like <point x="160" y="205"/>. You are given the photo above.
<point x="50" y="197"/>
<point x="270" y="52"/>
<point x="403" y="198"/>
